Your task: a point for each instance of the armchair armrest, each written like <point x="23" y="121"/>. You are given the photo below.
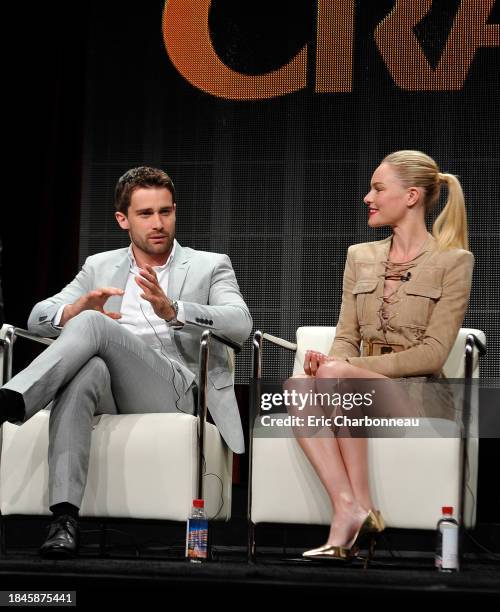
<point x="258" y="338"/>
<point x="472" y="342"/>
<point x="202" y="406"/>
<point x="23" y="333"/>
<point x="8" y="335"/>
<point x="205" y="341"/>
<point x="229" y="343"/>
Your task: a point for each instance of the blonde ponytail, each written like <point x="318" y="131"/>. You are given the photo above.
<point x="416" y="169"/>
<point x="450" y="228"/>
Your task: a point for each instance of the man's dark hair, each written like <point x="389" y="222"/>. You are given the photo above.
<point x="133" y="179"/>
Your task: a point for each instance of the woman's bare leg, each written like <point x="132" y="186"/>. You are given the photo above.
<point x="328" y="461"/>
<point x="354" y="451"/>
<point x="342" y="462"/>
<point x="324" y="453"/>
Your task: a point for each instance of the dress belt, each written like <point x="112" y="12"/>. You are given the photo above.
<point x="380" y="348"/>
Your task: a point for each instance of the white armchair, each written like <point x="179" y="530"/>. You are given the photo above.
<point x="410" y="478"/>
<point x="145" y="466"/>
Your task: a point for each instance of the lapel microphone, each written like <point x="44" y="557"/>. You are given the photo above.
<point x="406" y="277"/>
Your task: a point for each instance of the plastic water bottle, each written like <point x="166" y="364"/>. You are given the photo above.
<point x="197" y="533"/>
<point x="446" y="558"/>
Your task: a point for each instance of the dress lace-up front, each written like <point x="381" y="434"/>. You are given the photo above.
<point x="394" y="274"/>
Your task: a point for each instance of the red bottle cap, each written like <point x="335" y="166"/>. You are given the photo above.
<point x="447" y="510"/>
<point x="198" y="503"/>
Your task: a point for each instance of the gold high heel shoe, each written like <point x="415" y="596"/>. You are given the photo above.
<point x="328" y="552"/>
<point x="380" y="523"/>
<point x="372" y="524"/>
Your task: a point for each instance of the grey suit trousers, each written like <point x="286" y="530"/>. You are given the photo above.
<point x="96" y="366"/>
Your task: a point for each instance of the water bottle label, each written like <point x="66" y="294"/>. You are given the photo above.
<point x="197" y="539"/>
<point x="450" y="547"/>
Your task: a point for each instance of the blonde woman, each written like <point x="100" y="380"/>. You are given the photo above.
<point x="405" y="298"/>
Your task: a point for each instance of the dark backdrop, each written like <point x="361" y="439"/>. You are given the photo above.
<point x="278" y="183"/>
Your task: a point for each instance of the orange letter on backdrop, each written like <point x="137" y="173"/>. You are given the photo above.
<point x="187" y="40"/>
<point x="405" y="59"/>
<point x="334" y="46"/>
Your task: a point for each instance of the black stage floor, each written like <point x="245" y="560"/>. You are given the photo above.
<point x="408" y="577"/>
<point x="139" y="562"/>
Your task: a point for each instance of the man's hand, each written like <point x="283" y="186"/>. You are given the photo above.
<point x="93" y="300"/>
<point x="154" y="294"/>
<point x="313" y="360"/>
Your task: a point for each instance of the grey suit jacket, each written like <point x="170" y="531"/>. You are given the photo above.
<point x="207" y="286"/>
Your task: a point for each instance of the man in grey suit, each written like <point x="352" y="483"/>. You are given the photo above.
<point x="128" y="329"/>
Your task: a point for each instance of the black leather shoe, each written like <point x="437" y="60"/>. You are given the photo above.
<point x="63" y="539"/>
<point x="11" y="406"/>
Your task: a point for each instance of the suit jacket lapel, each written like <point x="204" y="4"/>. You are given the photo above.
<point x="178" y="271"/>
<point x="119" y="280"/>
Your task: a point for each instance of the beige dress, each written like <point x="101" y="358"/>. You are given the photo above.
<point x="418" y="306"/>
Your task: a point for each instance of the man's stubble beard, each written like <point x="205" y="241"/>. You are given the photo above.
<point x="148" y="248"/>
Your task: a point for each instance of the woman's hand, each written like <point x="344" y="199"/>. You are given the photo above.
<point x="313" y="360"/>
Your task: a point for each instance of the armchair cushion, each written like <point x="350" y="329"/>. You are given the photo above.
<point x="141" y="466"/>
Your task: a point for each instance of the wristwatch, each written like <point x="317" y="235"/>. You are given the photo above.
<point x="175" y="306"/>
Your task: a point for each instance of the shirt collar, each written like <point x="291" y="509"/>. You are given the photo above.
<point x="133" y="264"/>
